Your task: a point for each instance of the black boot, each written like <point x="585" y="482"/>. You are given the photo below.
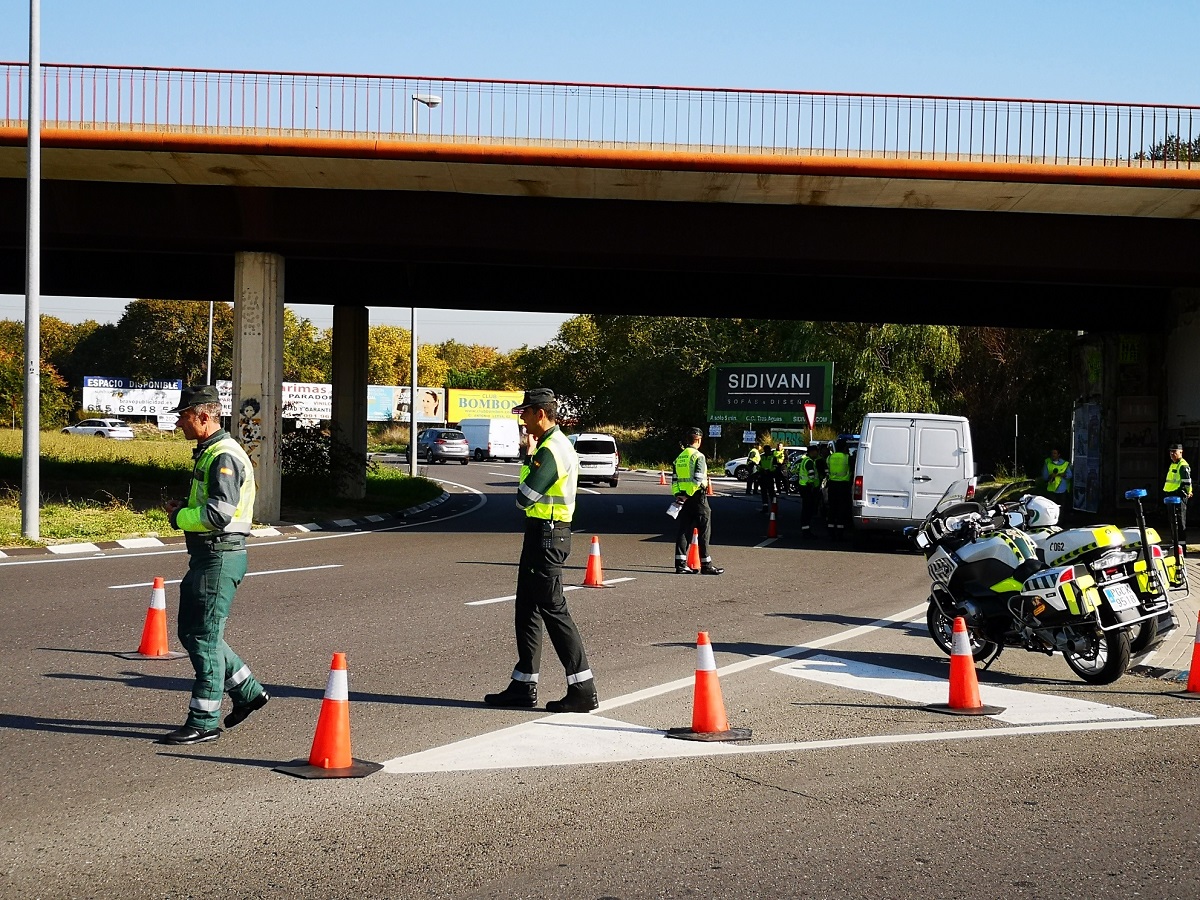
<point x="580" y="698"/>
<point x="710" y="569"/>
<point x="521" y="694"/>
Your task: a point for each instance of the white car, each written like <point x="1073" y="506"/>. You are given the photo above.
<point x="598" y="458"/>
<point x="738" y="468"/>
<point x="109" y="428"/>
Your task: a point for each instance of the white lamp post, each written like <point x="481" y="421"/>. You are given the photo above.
<point x="431" y="100"/>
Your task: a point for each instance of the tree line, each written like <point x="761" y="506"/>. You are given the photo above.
<point x="636" y="372"/>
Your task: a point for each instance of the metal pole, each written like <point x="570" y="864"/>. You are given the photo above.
<point x="412" y="400"/>
<point x="208" y="379"/>
<point x="1016" y="431"/>
<point x="31" y="420"/>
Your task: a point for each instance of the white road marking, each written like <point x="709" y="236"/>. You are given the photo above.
<point x="117" y="587"/>
<point x="620" y="508"/>
<point x="767" y="543"/>
<point x="571" y="587"/>
<point x="1020" y="707"/>
<point x="579" y="738"/>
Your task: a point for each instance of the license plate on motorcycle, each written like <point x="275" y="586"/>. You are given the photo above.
<point x="1120" y="596"/>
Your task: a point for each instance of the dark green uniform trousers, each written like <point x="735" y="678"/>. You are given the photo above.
<point x="205" y="595"/>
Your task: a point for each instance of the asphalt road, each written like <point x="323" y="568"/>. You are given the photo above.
<point x="848" y="786"/>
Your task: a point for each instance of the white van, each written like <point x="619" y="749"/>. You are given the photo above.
<point x="904" y="464"/>
<point x="492" y="438"/>
<point x="598" y="458"/>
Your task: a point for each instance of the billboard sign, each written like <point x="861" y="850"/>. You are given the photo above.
<point x="472" y="404"/>
<point x="771" y="393"/>
<point x="130" y="396"/>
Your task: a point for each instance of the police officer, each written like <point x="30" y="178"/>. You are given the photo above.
<point x="549" y="475"/>
<point x="838" y="468"/>
<point x="766" y="477"/>
<point x="1179" y="484"/>
<point x="215" y="519"/>
<point x="781" y="475"/>
<point x="809" y="483"/>
<point x="689" y="483"/>
<point x="1056" y="472"/>
<point x="752" y="461"/>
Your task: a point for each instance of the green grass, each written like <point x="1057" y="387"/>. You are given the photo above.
<point x="94" y="489"/>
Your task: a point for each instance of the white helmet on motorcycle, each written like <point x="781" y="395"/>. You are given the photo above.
<point x="1040" y="512"/>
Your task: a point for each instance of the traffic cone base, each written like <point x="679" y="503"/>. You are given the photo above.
<point x="154" y="632"/>
<point x="964" y="684"/>
<point x="594" y="577"/>
<point x="330" y="756"/>
<point x="708" y="706"/>
<point x="1192" y="692"/>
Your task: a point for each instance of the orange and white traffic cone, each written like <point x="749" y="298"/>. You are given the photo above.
<point x="330" y="755"/>
<point x="1193" y="683"/>
<point x="594" y="576"/>
<point x="772" y="527"/>
<point x="709" y="491"/>
<point x="662" y="477"/>
<point x="154" y="631"/>
<point x="709" y="722"/>
<point x="964" y="686"/>
<point x="693" y="557"/>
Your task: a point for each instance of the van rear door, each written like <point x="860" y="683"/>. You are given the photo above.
<point x="942" y="457"/>
<point x="888" y="445"/>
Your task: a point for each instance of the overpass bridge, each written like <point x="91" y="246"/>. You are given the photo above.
<point x="463" y="193"/>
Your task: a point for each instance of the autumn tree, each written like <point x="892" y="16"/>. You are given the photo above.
<point x="161" y="339"/>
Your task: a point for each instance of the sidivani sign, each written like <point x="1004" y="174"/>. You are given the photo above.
<point x="770" y="393"/>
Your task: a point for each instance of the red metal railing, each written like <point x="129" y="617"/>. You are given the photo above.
<point x="604" y="115"/>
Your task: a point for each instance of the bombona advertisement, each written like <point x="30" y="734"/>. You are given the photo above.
<point x="469" y="404"/>
<point x="770" y="393"/>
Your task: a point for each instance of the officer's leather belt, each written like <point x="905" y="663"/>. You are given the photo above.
<point x="218" y="541"/>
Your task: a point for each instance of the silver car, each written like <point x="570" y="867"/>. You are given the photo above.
<point x="441" y="444"/>
<point x="105" y="428"/>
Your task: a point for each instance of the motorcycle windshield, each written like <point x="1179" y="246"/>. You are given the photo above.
<point x="961" y="491"/>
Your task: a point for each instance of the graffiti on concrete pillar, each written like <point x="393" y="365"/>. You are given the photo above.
<point x="250" y="431"/>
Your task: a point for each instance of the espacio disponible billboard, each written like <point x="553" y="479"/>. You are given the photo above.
<point x="770" y="393"/>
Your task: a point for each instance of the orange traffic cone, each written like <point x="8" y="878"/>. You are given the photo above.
<point x="330" y="756"/>
<point x="1193" y="683"/>
<point x="662" y="477"/>
<point x="964" y="686"/>
<point x="154" y="631"/>
<point x="772" y="527"/>
<point x="709" y="492"/>
<point x="693" y="557"/>
<point x="594" y="577"/>
<point x="708" y="706"/>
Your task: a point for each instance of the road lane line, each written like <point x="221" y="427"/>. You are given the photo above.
<point x="117" y="587"/>
<point x="571" y="587"/>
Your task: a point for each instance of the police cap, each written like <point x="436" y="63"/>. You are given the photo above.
<point x="197" y="395"/>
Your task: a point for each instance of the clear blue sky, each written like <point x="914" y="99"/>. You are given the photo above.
<point x="1062" y="49"/>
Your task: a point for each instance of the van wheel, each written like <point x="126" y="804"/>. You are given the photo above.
<point x="479" y="454"/>
<point x="612" y="482"/>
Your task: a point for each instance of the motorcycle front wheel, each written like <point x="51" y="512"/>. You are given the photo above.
<point x="941" y="629"/>
<point x="1105" y="657"/>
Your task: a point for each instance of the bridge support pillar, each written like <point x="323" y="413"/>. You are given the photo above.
<point x="350" y="332"/>
<point x="258" y="373"/>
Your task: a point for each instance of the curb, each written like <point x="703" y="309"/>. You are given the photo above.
<point x="359" y="523"/>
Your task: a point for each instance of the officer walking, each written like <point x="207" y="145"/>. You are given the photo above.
<point x="838" y="467"/>
<point x="1179" y="484"/>
<point x="689" y="482"/>
<point x="752" y="460"/>
<point x="215" y="519"/>
<point x="549" y="476"/>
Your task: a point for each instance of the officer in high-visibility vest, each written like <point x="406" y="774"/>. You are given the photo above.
<point x="1056" y="472"/>
<point x="752" y="460"/>
<point x="689" y="480"/>
<point x="549" y="477"/>
<point x="780" y="456"/>
<point x="766" y="477"/>
<point x="1179" y="483"/>
<point x="215" y="519"/>
<point x="809" y="483"/>
<point x="838" y="485"/>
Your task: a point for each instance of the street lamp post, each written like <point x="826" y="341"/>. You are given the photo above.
<point x="430" y="100"/>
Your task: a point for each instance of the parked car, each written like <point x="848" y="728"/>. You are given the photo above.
<point x="105" y="428"/>
<point x="598" y="457"/>
<point x="739" y="468"/>
<point x="441" y="444"/>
